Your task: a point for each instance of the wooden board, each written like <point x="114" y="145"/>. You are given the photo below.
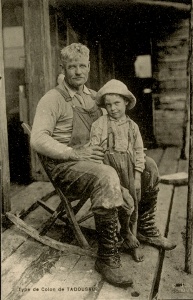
<point x="14" y="266"/>
<point x="179" y="178"/>
<point x="69" y="274"/>
<point x="175" y="283"/>
<point x="29" y="195"/>
<point x="4" y="154"/>
<point x="155" y="154"/>
<point x="39" y="70"/>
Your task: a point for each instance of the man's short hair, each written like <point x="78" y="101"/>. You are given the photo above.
<point x="73" y="51"/>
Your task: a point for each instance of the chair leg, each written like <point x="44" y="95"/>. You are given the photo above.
<point x="73" y="222"/>
<point x="57" y="213"/>
<point x="51" y="211"/>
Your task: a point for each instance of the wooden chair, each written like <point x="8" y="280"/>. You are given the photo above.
<point x="64" y="212"/>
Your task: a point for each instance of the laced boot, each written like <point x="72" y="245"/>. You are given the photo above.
<point x="147" y="230"/>
<point x="108" y="261"/>
<point x="123" y="220"/>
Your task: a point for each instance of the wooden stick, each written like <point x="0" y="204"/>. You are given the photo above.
<point x="23" y="105"/>
<point x="188" y="249"/>
<point x="47" y="240"/>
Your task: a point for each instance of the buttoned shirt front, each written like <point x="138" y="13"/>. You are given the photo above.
<point x="121" y="128"/>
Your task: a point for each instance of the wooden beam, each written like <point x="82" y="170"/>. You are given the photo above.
<point x="176" y="5"/>
<point x="38" y="60"/>
<point x="189" y="222"/>
<point x="4" y="155"/>
<point x="167" y="4"/>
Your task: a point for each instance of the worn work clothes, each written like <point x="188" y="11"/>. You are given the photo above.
<point x="123" y="146"/>
<point x="52" y="127"/>
<point x="126" y="137"/>
<point x="87" y="179"/>
<point x="51" y="133"/>
<point x="77" y="179"/>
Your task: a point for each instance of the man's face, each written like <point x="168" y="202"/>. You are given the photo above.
<point x="76" y="71"/>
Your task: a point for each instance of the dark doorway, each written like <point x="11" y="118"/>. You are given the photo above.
<point x="123" y="32"/>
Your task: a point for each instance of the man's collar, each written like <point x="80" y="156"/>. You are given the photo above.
<point x="72" y="92"/>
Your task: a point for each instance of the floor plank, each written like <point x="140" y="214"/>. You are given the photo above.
<point x="16" y="188"/>
<point x="156" y="154"/>
<point x="72" y="277"/>
<point x="169" y="161"/>
<point x="29" y="195"/>
<point x="175" y="283"/>
<point x="15" y="265"/>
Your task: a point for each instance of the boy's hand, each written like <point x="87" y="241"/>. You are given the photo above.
<point x="138" y="185"/>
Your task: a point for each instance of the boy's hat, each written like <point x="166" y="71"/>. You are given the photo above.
<point x="115" y="87"/>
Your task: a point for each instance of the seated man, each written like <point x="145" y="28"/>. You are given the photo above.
<point x="60" y="132"/>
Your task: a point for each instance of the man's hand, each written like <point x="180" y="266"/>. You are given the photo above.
<point x="88" y="153"/>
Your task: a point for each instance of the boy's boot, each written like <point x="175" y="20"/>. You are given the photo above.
<point x="124" y="227"/>
<point x="124" y="223"/>
<point x="108" y="260"/>
<point x="147" y="230"/>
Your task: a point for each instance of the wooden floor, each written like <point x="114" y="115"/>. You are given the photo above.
<point x="31" y="270"/>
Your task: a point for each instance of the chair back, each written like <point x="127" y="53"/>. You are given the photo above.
<point x="27" y="128"/>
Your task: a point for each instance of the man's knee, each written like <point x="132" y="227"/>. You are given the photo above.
<point x="150" y="176"/>
<point x="151" y="166"/>
<point x="108" y="176"/>
<point x="106" y="193"/>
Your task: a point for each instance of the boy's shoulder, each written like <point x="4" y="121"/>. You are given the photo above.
<point x="100" y="121"/>
<point x="102" y="118"/>
<point x="132" y="122"/>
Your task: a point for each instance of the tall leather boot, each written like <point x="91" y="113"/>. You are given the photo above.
<point x="123" y="220"/>
<point x="147" y="230"/>
<point x="108" y="260"/>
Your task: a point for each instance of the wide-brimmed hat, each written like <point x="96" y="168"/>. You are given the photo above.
<point x="115" y="87"/>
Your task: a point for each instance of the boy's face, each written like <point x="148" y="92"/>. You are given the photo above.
<point x="115" y="106"/>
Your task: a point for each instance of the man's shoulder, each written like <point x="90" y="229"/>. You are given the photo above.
<point x="50" y="93"/>
<point x="50" y="97"/>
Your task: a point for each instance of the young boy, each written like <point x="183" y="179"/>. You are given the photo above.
<point x="123" y="146"/>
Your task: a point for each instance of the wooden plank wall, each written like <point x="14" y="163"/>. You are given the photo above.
<point x="38" y="61"/>
<point x="170" y="88"/>
<point x="4" y="158"/>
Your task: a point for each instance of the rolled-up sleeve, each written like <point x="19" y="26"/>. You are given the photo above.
<point x="47" y="114"/>
<point x="139" y="150"/>
<point x="95" y="133"/>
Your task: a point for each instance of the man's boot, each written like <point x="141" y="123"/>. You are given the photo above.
<point x="108" y="260"/>
<point x="147" y="230"/>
